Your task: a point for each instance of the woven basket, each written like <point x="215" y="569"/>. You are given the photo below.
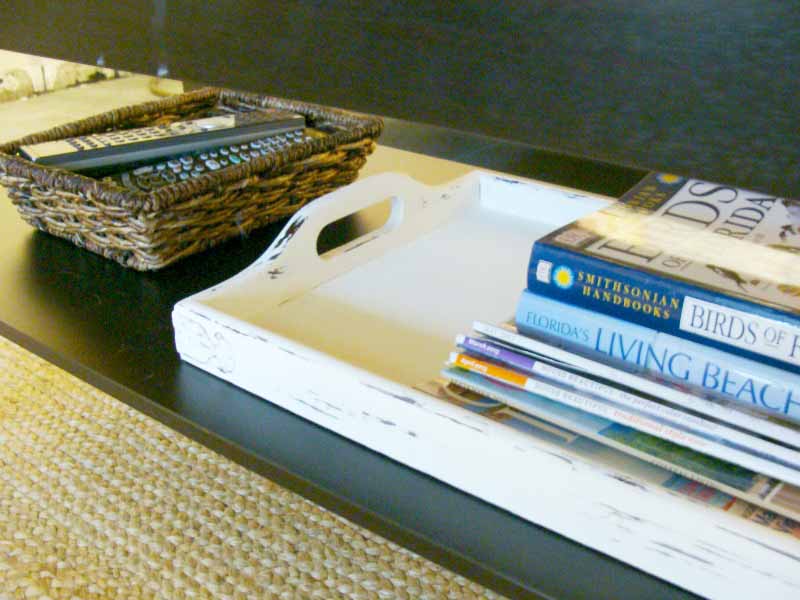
<point x="148" y="231"/>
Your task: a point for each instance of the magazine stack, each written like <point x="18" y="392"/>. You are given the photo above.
<point x="660" y="335"/>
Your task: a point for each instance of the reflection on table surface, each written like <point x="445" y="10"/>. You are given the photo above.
<point x="706" y="89"/>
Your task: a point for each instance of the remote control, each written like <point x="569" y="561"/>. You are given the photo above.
<point x="181" y="168"/>
<point x="117" y="149"/>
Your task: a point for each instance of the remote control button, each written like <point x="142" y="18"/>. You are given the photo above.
<point x="223" y="162"/>
<point x="143" y="170"/>
<point x="224" y="151"/>
<point x="214" y="154"/>
<point x="174" y="163"/>
<point x="204" y="156"/>
<point x="235" y="159"/>
<point x="184" y="176"/>
<point x="212" y="164"/>
<point x="256" y="144"/>
<point x="161" y="167"/>
<point x="186" y="160"/>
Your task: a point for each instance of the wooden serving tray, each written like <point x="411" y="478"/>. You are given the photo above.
<point x="343" y="338"/>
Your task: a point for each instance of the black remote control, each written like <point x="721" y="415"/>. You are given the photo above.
<point x="186" y="166"/>
<point x="116" y="149"/>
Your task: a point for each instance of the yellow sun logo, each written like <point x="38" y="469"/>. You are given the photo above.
<point x="669" y="178"/>
<point x="563" y="277"/>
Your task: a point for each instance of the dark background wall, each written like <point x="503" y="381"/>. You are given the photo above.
<point x="702" y="87"/>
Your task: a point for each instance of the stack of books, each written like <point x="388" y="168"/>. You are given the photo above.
<point x="660" y="336"/>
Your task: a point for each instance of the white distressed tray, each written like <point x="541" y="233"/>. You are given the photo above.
<point x="340" y="339"/>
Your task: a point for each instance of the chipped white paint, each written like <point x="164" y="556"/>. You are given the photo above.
<point x="341" y="339"/>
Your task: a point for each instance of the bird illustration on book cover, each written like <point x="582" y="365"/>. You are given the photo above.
<point x="733" y="276"/>
<point x="791" y="228"/>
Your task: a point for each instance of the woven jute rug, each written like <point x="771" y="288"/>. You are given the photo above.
<point x="99" y="501"/>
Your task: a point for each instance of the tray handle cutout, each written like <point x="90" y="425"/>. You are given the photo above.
<point x="406" y="197"/>
<point x="357" y="228"/>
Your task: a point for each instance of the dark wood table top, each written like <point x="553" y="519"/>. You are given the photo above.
<point x="111" y="326"/>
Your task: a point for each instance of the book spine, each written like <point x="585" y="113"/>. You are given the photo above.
<point x="626" y="417"/>
<point x="490" y="389"/>
<point x="646" y="350"/>
<point x="746" y="416"/>
<point x="506" y="395"/>
<point x="726" y="435"/>
<point x="673" y="306"/>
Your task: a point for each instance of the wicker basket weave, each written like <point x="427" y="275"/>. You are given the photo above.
<point x="148" y="231"/>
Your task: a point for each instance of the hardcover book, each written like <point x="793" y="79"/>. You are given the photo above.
<point x="710" y="263"/>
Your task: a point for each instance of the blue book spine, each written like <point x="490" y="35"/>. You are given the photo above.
<point x="642" y="349"/>
<point x="681" y="309"/>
